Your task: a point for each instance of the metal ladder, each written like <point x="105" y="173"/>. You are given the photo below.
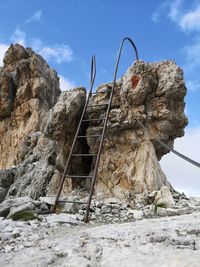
<point x="101" y="136"/>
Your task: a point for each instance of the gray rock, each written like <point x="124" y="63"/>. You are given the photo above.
<point x="69" y="207"/>
<point x="112" y="200"/>
<point x="7" y="204"/>
<point x="137" y="214"/>
<point x="3" y="193"/>
<point x="164" y="197"/>
<point x="48" y="200"/>
<point x="6" y="179"/>
<point x="23" y="212"/>
<point x="44" y="208"/>
<point x="172" y="212"/>
<point x="75" y="261"/>
<point x="106" y="209"/>
<point x="62" y="218"/>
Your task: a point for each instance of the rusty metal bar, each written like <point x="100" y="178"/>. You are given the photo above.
<point x="83" y="155"/>
<point x="73" y="201"/>
<point x="94" y="119"/>
<point x="88" y="136"/>
<point x="78" y="176"/>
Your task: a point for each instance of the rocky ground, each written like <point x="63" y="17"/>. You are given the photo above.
<point x="116" y="235"/>
<point x="170" y="241"/>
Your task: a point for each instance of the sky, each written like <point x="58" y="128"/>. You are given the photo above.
<point x="68" y="32"/>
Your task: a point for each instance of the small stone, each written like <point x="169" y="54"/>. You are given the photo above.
<point x="115" y="211"/>
<point x="48" y="200"/>
<point x="112" y="200"/>
<point x="70" y="208"/>
<point x="44" y="207"/>
<point x="8" y="249"/>
<point x="80" y="217"/>
<point x="105" y="209"/>
<point x="81" y="212"/>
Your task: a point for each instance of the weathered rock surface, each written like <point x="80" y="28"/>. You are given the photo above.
<point x="38" y="123"/>
<point x="151" y="242"/>
<point x="28" y="89"/>
<point x="154" y="95"/>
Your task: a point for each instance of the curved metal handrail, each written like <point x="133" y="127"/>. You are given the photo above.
<point x="92" y="73"/>
<point x="119" y="54"/>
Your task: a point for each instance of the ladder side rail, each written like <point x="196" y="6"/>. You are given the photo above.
<point x="92" y="79"/>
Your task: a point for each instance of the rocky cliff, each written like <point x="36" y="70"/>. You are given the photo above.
<point x="153" y="95"/>
<point x="38" y="123"/>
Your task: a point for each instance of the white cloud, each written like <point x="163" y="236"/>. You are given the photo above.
<point x="59" y="53"/>
<point x="65" y="84"/>
<point x="175" y="10"/>
<point x="19" y="37"/>
<point x="192" y="85"/>
<point x="36" y="44"/>
<point x="3" y="49"/>
<point x="158" y="12"/>
<point x="191" y="20"/>
<point x="192" y="52"/>
<point x="187" y="20"/>
<point x="180" y="173"/>
<point x="36" y="16"/>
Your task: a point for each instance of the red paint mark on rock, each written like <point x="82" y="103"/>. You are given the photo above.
<point x="134" y="81"/>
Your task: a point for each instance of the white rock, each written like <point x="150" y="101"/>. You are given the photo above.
<point x="62" y="218"/>
<point x="76" y="261"/>
<point x="112" y="200"/>
<point x="48" y="200"/>
<point x="8" y="249"/>
<point x="137" y="214"/>
<point x="172" y="212"/>
<point x="164" y="197"/>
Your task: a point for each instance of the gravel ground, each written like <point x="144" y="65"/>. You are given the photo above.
<point x="170" y="241"/>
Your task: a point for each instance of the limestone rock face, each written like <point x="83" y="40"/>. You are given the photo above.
<point x="37" y="125"/>
<point x="154" y="95"/>
<point x="28" y="89"/>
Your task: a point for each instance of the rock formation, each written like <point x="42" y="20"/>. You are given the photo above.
<point x="38" y="123"/>
<point x="34" y="123"/>
<point x="153" y="95"/>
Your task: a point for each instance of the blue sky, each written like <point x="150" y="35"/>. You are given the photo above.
<point x="68" y="32"/>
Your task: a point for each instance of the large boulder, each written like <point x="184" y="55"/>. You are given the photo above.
<point x="153" y="94"/>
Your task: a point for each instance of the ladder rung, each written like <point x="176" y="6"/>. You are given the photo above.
<point x="94" y="119"/>
<point x="72" y="201"/>
<point x="107" y="91"/>
<point x="97" y="105"/>
<point x="84" y="155"/>
<point x="89" y="136"/>
<point x="79" y="176"/>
